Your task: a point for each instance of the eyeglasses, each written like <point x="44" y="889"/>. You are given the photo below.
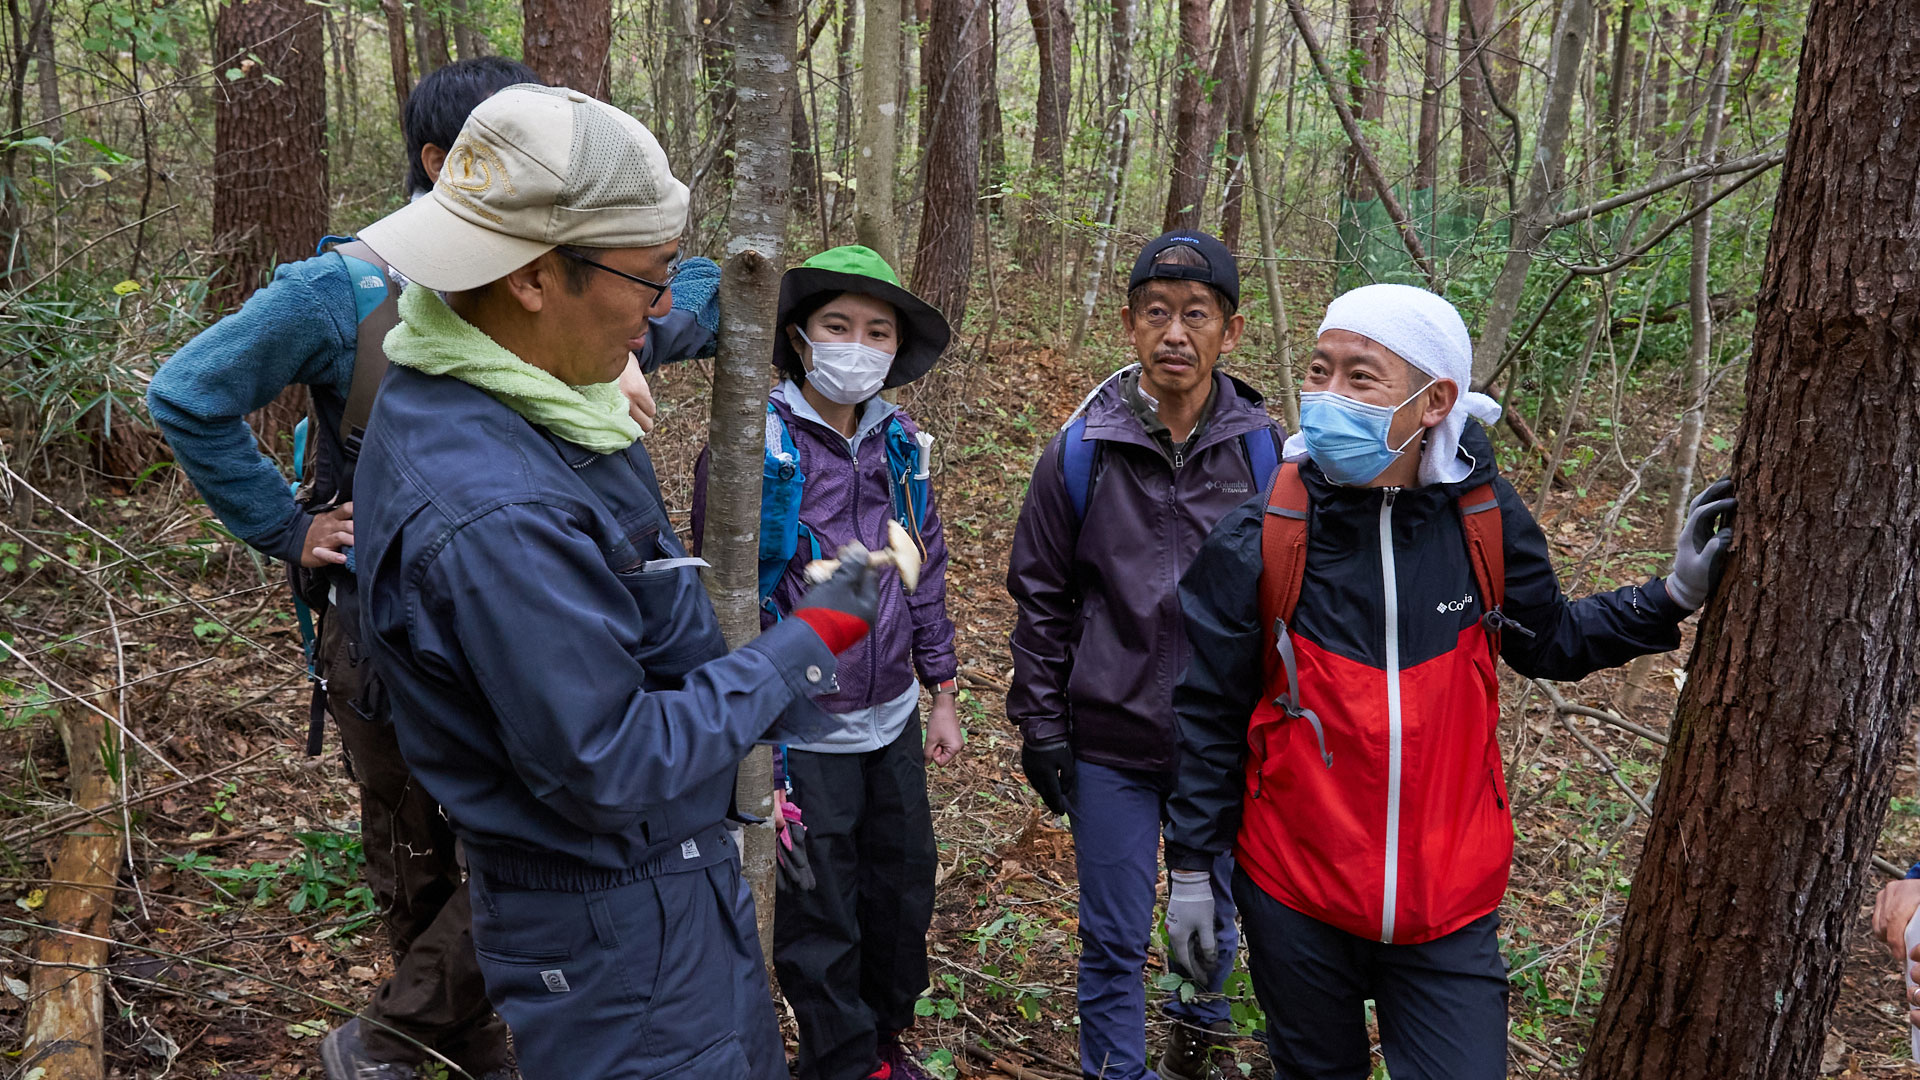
<point x="659" y="288"/>
<point x="1158" y="317"/>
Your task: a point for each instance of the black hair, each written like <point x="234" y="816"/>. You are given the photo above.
<point x="1181" y="255"/>
<point x="787" y="361"/>
<point x="438" y="107"/>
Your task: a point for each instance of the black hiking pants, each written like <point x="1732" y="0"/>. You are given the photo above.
<point x="852" y="953"/>
<point x="435" y="996"/>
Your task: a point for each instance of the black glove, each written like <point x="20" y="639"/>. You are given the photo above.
<point x="842" y="608"/>
<point x="790" y="850"/>
<point x="1051" y="772"/>
<point x="1702" y="557"/>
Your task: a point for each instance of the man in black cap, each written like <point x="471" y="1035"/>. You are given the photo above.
<point x="1119" y="504"/>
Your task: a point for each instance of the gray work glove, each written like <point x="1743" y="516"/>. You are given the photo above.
<point x="1051" y="772"/>
<point x="1192" y="948"/>
<point x="1703" y="546"/>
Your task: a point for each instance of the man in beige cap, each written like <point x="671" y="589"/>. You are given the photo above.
<point x="559" y="681"/>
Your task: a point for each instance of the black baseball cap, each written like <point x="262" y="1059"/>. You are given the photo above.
<point x="1220" y="272"/>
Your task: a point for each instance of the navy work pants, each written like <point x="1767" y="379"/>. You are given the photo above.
<point x="655" y="979"/>
<point x="1442" y="1004"/>
<point x="1116" y="816"/>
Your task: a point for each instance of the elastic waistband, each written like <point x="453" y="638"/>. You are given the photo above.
<point x="563" y="873"/>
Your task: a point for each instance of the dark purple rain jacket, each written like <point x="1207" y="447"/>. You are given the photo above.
<point x="1100" y="640"/>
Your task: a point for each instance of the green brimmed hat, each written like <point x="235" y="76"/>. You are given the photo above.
<point x="924" y="332"/>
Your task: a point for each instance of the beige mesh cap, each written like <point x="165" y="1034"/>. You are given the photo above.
<point x="535" y="167"/>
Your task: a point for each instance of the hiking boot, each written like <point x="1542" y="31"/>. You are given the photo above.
<point x="344" y="1055"/>
<point x="1198" y="1053"/>
<point x="896" y="1062"/>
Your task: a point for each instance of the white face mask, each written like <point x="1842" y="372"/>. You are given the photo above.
<point x="847" y="372"/>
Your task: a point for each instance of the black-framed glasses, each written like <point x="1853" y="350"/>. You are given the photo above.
<point x="659" y="288"/>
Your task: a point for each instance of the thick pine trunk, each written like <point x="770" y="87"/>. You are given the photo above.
<point x="567" y="43"/>
<point x="762" y="34"/>
<point x="1036" y="249"/>
<point x="943" y="255"/>
<point x="1803" y="676"/>
<point x="270" y="163"/>
<point x="1189" y="182"/>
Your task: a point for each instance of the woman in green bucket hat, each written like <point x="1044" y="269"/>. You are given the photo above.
<point x="855" y="894"/>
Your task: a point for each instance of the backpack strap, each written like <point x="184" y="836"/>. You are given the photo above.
<point x="1283" y="565"/>
<point x="1486" y="541"/>
<point x="1076" y="464"/>
<point x="1263" y="455"/>
<point x="378" y="308"/>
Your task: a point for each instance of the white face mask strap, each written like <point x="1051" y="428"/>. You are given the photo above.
<point x="1418" y="429"/>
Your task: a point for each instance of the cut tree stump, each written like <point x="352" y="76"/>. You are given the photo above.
<point x="66" y="1003"/>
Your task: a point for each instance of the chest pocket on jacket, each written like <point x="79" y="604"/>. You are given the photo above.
<point x="679" y="631"/>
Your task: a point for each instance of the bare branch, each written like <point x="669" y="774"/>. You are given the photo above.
<point x="1671" y="180"/>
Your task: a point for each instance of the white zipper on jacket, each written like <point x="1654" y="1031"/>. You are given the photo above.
<point x="1392" y="610"/>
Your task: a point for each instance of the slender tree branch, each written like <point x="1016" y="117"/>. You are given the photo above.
<point x="1671" y="180"/>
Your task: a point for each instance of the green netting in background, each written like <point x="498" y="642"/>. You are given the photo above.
<point x="1370" y="248"/>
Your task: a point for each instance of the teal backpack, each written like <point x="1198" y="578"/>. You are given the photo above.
<point x="782" y="485"/>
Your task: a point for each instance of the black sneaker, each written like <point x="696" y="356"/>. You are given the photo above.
<point x="1198" y="1053"/>
<point x="344" y="1055"/>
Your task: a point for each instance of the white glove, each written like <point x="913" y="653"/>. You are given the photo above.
<point x="1192" y="948"/>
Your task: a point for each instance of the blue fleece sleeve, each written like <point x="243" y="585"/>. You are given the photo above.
<point x="300" y="329"/>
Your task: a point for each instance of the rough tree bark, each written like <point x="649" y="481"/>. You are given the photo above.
<point x="1426" y="168"/>
<point x="1804" y="672"/>
<point x="63" y="1039"/>
<point x="429" y="40"/>
<point x="1618" y="92"/>
<point x="467" y="38"/>
<point x="1036" y="245"/>
<point x="762" y="34"/>
<point x="943" y="255"/>
<point x="567" y="43"/>
<point x="1534" y="216"/>
<point x="874" y="161"/>
<point x="1188" y="185"/>
<point x="1227" y="112"/>
<point x="269" y="165"/>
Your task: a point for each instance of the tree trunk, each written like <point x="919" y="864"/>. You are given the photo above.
<point x="874" y="165"/>
<point x="1426" y="169"/>
<point x="1226" y="111"/>
<point x="1803" y="675"/>
<point x="1367" y="85"/>
<point x="270" y="160"/>
<point x="943" y="255"/>
<point x="762" y="35"/>
<point x="429" y="40"/>
<point x="1188" y="186"/>
<point x="1618" y="94"/>
<point x="64" y="1037"/>
<point x="466" y="38"/>
<point x="804" y="171"/>
<point x="568" y="42"/>
<point x="1477" y="117"/>
<point x="397" y="52"/>
<point x="1532" y="222"/>
<point x="1263" y="212"/>
<point x="1119" y="143"/>
<point x="1035" y="248"/>
<point x="993" y="128"/>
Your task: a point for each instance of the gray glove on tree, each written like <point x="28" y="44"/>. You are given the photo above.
<point x="1703" y="546"/>
<point x="1192" y="947"/>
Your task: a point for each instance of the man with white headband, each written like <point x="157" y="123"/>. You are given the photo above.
<point x="1338" y="718"/>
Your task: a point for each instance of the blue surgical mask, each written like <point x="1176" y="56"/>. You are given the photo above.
<point x="1348" y="438"/>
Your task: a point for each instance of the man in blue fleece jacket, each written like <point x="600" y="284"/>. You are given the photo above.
<point x="302" y="330"/>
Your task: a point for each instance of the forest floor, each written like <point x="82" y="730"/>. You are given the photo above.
<point x="238" y="927"/>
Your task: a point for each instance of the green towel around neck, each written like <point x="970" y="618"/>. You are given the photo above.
<point x="431" y="338"/>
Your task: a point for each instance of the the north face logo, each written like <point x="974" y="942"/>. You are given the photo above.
<point x="1455" y="606"/>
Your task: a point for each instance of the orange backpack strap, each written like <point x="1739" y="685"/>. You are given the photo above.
<point x="1487" y="552"/>
<point x="1283" y="546"/>
<point x="1283" y="564"/>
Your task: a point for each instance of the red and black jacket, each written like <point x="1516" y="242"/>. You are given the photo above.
<point x="1397" y="829"/>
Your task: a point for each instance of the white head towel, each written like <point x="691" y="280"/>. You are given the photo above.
<point x="1425" y="331"/>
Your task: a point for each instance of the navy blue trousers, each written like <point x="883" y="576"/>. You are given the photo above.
<point x="1116" y="853"/>
<point x="1442" y="1004"/>
<point x="655" y="979"/>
